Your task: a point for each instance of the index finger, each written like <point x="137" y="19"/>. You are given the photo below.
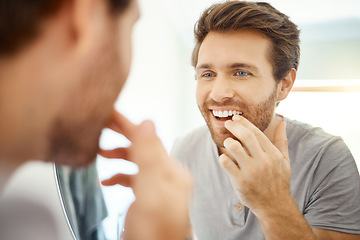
<point x="120" y="124"/>
<point x="260" y="137"/>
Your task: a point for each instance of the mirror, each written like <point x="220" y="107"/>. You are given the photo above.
<point x="329" y="30"/>
<point x="83" y="201"/>
<point x="94" y="212"/>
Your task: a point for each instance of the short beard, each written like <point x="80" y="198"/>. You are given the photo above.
<point x="67" y="148"/>
<point x="264" y="112"/>
<point x="259" y="115"/>
<point x="74" y="135"/>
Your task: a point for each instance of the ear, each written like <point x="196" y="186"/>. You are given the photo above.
<point x="285" y="85"/>
<point x="89" y="20"/>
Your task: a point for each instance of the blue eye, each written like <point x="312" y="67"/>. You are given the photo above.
<point x="241" y="73"/>
<point x="208" y="75"/>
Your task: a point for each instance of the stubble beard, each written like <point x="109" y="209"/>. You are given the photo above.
<point x="259" y="115"/>
<point x="75" y="132"/>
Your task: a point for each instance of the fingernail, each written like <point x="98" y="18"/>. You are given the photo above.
<point x="222" y="157"/>
<point x="228" y="141"/>
<point x="147" y="127"/>
<point x="236" y="117"/>
<point x="104" y="182"/>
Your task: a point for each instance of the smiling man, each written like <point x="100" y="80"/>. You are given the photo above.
<point x="260" y="175"/>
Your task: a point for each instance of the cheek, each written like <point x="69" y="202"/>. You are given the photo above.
<point x="125" y="56"/>
<point x="124" y="48"/>
<point x="198" y="96"/>
<point x="202" y="93"/>
<point x="252" y="94"/>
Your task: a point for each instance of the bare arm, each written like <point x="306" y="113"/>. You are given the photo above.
<point x="286" y="222"/>
<point x="290" y="224"/>
<point x="322" y="234"/>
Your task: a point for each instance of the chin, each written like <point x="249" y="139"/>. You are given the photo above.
<point x="219" y="135"/>
<point x="74" y="146"/>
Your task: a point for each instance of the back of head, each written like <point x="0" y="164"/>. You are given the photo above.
<point x="60" y="71"/>
<point x="21" y="20"/>
<point x="261" y="17"/>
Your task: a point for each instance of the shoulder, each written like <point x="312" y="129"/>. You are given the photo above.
<point x="324" y="170"/>
<point x="195" y="140"/>
<point x="26" y="219"/>
<point x="313" y="146"/>
<point x="192" y="138"/>
<point x="303" y="132"/>
<point x="307" y="139"/>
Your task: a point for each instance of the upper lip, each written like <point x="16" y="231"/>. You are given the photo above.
<point x="224" y="109"/>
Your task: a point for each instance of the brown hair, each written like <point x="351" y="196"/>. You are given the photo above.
<point x="259" y="16"/>
<point x="20" y="20"/>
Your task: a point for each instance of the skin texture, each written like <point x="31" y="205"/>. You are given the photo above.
<point x="234" y="73"/>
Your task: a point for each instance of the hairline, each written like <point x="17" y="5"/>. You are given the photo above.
<point x="269" y="52"/>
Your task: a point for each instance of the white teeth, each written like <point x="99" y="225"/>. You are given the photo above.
<point x="226" y="113"/>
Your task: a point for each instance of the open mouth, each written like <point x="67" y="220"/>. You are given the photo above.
<point x="225" y="115"/>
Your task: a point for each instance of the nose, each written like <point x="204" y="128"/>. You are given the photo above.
<point x="222" y="89"/>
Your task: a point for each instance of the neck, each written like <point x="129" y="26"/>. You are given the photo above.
<point x="270" y="130"/>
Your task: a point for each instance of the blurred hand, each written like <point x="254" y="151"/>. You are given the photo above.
<point x="161" y="187"/>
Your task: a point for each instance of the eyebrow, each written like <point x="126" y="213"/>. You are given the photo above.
<point x="203" y="66"/>
<point x="232" y="66"/>
<point x="244" y="65"/>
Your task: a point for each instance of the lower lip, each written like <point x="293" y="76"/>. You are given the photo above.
<point x="221" y="121"/>
<point x="219" y="127"/>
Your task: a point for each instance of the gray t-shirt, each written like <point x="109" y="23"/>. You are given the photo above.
<point x="325" y="183"/>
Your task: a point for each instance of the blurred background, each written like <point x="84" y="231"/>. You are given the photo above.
<point x="161" y="87"/>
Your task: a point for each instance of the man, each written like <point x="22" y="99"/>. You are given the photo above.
<point x="260" y="175"/>
<point x="62" y="66"/>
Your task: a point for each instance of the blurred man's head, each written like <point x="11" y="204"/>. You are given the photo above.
<point x="62" y="66"/>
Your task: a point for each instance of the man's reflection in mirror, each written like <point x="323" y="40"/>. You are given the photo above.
<point x="260" y="175"/>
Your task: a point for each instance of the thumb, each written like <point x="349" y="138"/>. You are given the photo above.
<point x="280" y="139"/>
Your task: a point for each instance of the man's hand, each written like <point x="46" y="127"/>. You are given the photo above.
<point x="259" y="170"/>
<point x="161" y="187"/>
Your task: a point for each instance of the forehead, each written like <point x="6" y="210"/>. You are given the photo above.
<point x="240" y="46"/>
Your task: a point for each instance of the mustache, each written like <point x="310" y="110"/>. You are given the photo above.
<point x="224" y="103"/>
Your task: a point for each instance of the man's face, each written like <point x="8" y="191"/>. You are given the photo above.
<point x="234" y="76"/>
<point x="88" y="105"/>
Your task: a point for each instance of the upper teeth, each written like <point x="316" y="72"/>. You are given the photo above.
<point x="226" y="113"/>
